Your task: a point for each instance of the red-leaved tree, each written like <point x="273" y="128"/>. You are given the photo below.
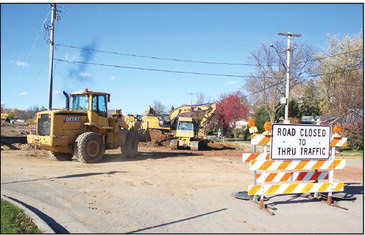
<point x="231" y="108"/>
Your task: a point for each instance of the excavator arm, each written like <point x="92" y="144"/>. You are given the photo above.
<point x="205" y="120"/>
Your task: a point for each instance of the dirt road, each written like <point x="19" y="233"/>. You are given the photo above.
<point x="176" y="192"/>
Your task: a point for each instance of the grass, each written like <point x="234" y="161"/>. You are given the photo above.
<point x="14" y="220"/>
<point x="349" y="150"/>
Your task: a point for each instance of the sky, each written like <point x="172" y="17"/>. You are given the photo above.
<point x="126" y="45"/>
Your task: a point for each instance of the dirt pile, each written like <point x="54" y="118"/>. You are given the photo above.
<point x="17" y="129"/>
<point x="158" y="139"/>
<point x="215" y="145"/>
<point x="13" y="135"/>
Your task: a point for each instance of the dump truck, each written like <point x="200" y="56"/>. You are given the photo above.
<point x="83" y="129"/>
<point x="191" y="129"/>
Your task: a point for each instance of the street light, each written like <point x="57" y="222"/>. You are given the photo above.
<point x="278" y="52"/>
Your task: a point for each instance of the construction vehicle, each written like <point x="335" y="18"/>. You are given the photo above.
<point x="156" y="122"/>
<point x="191" y="129"/>
<point x="84" y="130"/>
<point x="163" y="127"/>
<point x="138" y="127"/>
<point x="4" y="116"/>
<point x="168" y="123"/>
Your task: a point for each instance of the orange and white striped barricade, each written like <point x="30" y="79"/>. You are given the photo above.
<point x="260" y="139"/>
<point x="295" y="188"/>
<point x="292" y="176"/>
<point x="339" y="142"/>
<point x="299" y="155"/>
<point x="277" y="165"/>
<point x="275" y="177"/>
<point x="247" y="157"/>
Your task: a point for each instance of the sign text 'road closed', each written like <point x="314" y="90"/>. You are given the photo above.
<point x="300" y="142"/>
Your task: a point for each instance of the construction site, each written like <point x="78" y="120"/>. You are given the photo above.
<point x="283" y="157"/>
<point x="158" y="183"/>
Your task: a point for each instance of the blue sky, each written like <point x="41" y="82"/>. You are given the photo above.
<point x="203" y="32"/>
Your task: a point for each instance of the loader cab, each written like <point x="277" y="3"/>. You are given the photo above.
<point x="80" y="102"/>
<point x="94" y="103"/>
<point x="90" y="101"/>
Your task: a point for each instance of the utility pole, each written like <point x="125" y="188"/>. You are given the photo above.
<point x="51" y="51"/>
<point x="288" y="50"/>
<point x="191" y="97"/>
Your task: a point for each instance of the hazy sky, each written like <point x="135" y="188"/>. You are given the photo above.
<point x="140" y="36"/>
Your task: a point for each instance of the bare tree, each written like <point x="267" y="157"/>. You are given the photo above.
<point x="266" y="83"/>
<point x="159" y="108"/>
<point x="200" y="98"/>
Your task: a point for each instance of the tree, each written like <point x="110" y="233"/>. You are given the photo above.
<point x="311" y="100"/>
<point x="266" y="83"/>
<point x="294" y="111"/>
<point x="159" y="108"/>
<point x="200" y="98"/>
<point x="341" y="84"/>
<point x="231" y="108"/>
<point x="261" y="116"/>
<point x="32" y="111"/>
<point x="341" y="75"/>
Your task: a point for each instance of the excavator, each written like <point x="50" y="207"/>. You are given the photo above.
<point x="191" y="128"/>
<point x="184" y="126"/>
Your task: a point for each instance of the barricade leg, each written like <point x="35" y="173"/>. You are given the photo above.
<point x="262" y="205"/>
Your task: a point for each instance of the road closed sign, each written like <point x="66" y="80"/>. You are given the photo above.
<point x="300" y="142"/>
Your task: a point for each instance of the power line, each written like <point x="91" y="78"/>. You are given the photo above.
<point x="189" y="61"/>
<point x="188" y="72"/>
<point x="159" y="70"/>
<point x="32" y="47"/>
<point x="342" y="71"/>
<point x="325" y="57"/>
<point x="207" y="74"/>
<point x="264" y="89"/>
<point x="157" y="58"/>
<point x="277" y="84"/>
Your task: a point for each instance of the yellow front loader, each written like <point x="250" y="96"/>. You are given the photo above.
<point x="84" y="129"/>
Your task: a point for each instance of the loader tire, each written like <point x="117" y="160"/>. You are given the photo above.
<point x="89" y="147"/>
<point x="60" y="156"/>
<point x="130" y="148"/>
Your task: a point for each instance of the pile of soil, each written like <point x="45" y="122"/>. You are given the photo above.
<point x="158" y="139"/>
<point x="17" y="129"/>
<point x="214" y="145"/>
<point x="13" y="135"/>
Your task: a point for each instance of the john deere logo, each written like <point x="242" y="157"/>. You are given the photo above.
<point x="72" y="119"/>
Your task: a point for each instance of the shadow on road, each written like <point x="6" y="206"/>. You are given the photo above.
<point x="145" y="155"/>
<point x="354" y="188"/>
<point x="68" y="176"/>
<point x="349" y="193"/>
<point x="176" y="221"/>
<point x="10" y="140"/>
